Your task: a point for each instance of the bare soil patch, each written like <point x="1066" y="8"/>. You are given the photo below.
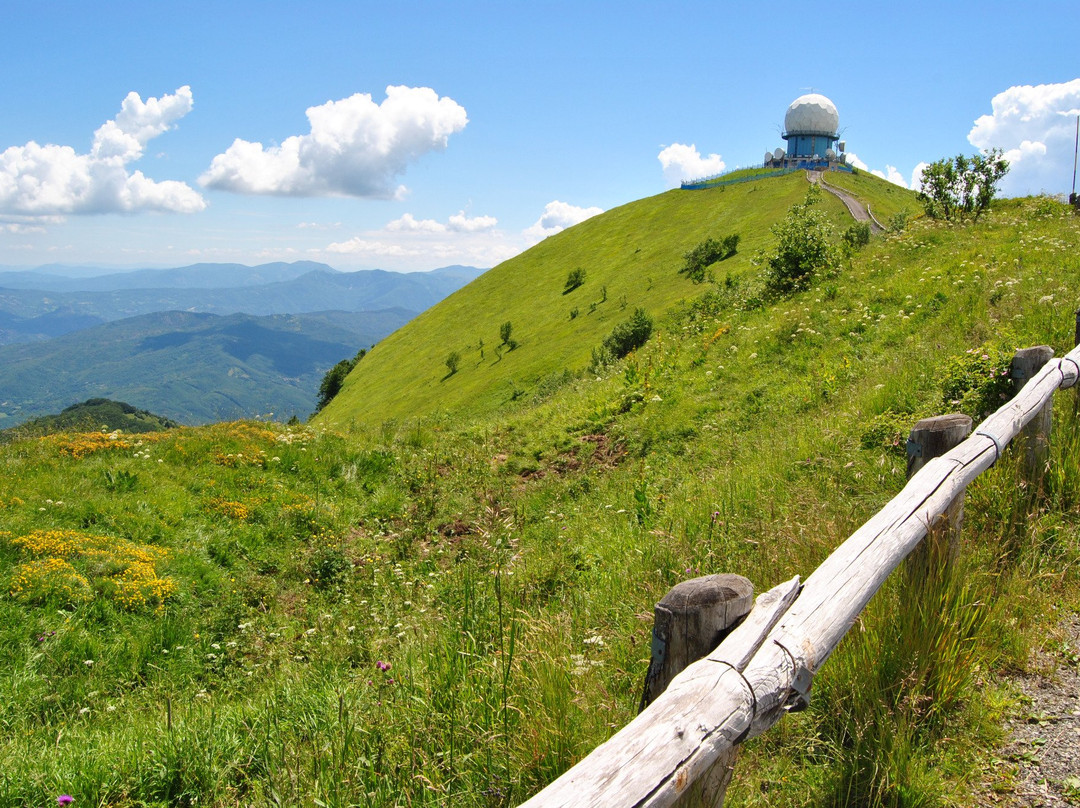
<point x="1041" y="760"/>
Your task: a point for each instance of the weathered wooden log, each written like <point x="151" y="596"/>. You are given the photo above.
<point x="688" y="623"/>
<point x="930" y="438"/>
<point x="765" y="666"/>
<point x="655" y="759"/>
<point x="1034" y="440"/>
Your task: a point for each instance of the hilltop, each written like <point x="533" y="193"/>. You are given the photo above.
<point x="439" y="592"/>
<point x="94" y="414"/>
<point x="630" y="257"/>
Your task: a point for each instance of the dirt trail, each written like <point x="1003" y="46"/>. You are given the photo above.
<point x="1041" y="761"/>
<point x="856" y="208"/>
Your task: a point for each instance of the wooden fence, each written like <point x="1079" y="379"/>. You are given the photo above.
<point x="680" y="750"/>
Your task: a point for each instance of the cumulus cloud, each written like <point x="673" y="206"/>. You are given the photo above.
<point x="458" y="223"/>
<point x="408" y="243"/>
<point x="51" y="179"/>
<point x="558" y="216"/>
<point x="891" y="173"/>
<point x="916" y="176"/>
<point x="1035" y="126"/>
<point x="355" y="148"/>
<point x="681" y="162"/>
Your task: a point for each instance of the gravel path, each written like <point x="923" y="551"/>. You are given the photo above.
<point x="1042" y="756"/>
<point x="856" y="208"/>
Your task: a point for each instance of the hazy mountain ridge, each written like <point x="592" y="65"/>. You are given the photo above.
<point x="189" y="366"/>
<point x="29" y="314"/>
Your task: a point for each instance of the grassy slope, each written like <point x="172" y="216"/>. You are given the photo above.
<point x="635" y="251"/>
<point x="505" y="567"/>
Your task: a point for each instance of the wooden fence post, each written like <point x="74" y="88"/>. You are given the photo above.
<point x="1035" y="437"/>
<point x="930" y="438"/>
<point x="688" y="623"/>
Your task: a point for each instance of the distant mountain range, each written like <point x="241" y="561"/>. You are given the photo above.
<point x="190" y="367"/>
<point x="36" y="305"/>
<point x="201" y="343"/>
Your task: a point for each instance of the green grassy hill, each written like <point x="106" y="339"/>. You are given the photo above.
<point x="94" y="414"/>
<point x="450" y="603"/>
<point x="631" y="257"/>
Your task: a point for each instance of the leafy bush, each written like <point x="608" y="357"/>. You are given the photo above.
<point x="898" y="221"/>
<point x="857" y="235"/>
<point x="978" y="382"/>
<point x="707" y="253"/>
<point x="804" y="250"/>
<point x="888" y="430"/>
<point x="574" y="280"/>
<point x="963" y="186"/>
<point x="505" y="330"/>
<point x="328" y="567"/>
<point x="624" y="338"/>
<point x="334" y="379"/>
<point x="452" y="362"/>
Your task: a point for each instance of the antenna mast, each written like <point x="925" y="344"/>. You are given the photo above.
<point x="1076" y="150"/>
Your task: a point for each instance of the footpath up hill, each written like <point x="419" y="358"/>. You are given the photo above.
<point x="631" y="257"/>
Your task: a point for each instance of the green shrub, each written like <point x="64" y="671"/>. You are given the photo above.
<point x="963" y="186"/>
<point x="452" y="362"/>
<point x="707" y="253"/>
<point x="888" y="430"/>
<point x="624" y="338"/>
<point x="575" y="279"/>
<point x="857" y="235"/>
<point x="334" y="379"/>
<point x="898" y="221"/>
<point x="804" y="250"/>
<point x="978" y="382"/>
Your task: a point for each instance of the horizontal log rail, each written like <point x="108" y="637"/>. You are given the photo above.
<point x="765" y="666"/>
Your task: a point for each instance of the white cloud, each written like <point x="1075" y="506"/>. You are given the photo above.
<point x="463" y="224"/>
<point x="408" y="243"/>
<point x="916" y="176"/>
<point x="17" y="228"/>
<point x="22" y="225"/>
<point x="1035" y="126"/>
<point x="558" y="216"/>
<point x="681" y="162"/>
<point x="410" y="224"/>
<point x="355" y="148"/>
<point x="50" y="179"/>
<point x="855" y="162"/>
<point x="458" y="223"/>
<point x="367" y="246"/>
<point x="891" y="173"/>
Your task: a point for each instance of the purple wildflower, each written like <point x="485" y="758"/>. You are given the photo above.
<point x="64" y="799"/>
<point x="383" y="666"/>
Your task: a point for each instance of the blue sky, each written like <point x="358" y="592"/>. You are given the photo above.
<point x="164" y="134"/>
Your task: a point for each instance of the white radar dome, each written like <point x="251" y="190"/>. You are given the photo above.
<point x="812" y="114"/>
